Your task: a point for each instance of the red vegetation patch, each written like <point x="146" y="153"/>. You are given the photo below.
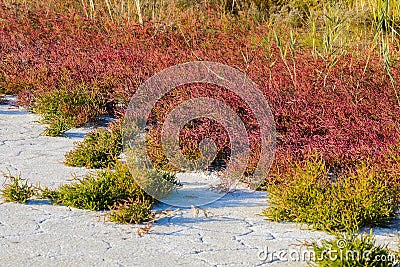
<point x="346" y="113"/>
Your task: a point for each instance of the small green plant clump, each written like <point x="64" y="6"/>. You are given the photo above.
<point x="160" y="182"/>
<point x="353" y="250"/>
<point x="66" y="108"/>
<point x="131" y="211"/>
<point x="116" y="190"/>
<point x="356" y="199"/>
<point x="17" y="189"/>
<point x="100" y="190"/>
<point x="100" y="149"/>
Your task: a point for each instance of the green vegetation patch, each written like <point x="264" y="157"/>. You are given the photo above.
<point x="16" y="189"/>
<point x="357" y="198"/>
<point x="131" y="211"/>
<point x="110" y="189"/>
<point x="66" y="108"/>
<point x="99" y="149"/>
<point x="101" y="190"/>
<point x="353" y="250"/>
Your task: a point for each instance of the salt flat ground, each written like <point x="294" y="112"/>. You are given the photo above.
<point x="40" y="234"/>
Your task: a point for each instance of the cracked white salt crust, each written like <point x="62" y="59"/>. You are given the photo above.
<point x="41" y="234"/>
